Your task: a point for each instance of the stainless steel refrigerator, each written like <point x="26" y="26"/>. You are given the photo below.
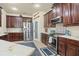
<point x="28" y="31"/>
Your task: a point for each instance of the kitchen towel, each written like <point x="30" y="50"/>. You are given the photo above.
<point x="50" y="40"/>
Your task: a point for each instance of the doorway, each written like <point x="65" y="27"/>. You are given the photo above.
<point x="28" y="30"/>
<point x="35" y="29"/>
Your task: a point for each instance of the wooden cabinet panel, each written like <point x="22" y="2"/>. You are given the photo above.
<point x="54" y="9"/>
<point x="44" y="38"/>
<point x="15" y="36"/>
<point x="75" y="13"/>
<point x="73" y="42"/>
<point x="4" y="37"/>
<point x="70" y="14"/>
<point x="18" y="22"/>
<point x="68" y="47"/>
<point x="14" y="22"/>
<point x="62" y="46"/>
<point x="59" y="9"/>
<point x="68" y="11"/>
<point x="0" y="15"/>
<point x="50" y="17"/>
<point x="71" y="50"/>
<point x="47" y="20"/>
<point x="66" y="14"/>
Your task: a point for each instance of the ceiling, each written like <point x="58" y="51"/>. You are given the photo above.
<point x="25" y="8"/>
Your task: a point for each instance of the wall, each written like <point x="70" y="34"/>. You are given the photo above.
<point x="74" y="31"/>
<point x="38" y="16"/>
<point x="14" y="30"/>
<point x="3" y="23"/>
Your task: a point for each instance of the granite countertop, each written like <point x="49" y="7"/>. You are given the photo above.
<point x="69" y="37"/>
<point x="45" y="32"/>
<point x="66" y="36"/>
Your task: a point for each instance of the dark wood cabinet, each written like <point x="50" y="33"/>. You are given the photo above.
<point x="68" y="11"/>
<point x="0" y="14"/>
<point x="71" y="50"/>
<point x="68" y="47"/>
<point x="59" y="9"/>
<point x="54" y="10"/>
<point x="47" y="20"/>
<point x="70" y="14"/>
<point x="4" y="37"/>
<point x="62" y="46"/>
<point x="15" y="36"/>
<point x="14" y="22"/>
<point x="75" y="13"/>
<point x="66" y="14"/>
<point x="44" y="38"/>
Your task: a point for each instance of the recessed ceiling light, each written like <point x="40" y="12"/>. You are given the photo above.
<point x="37" y="5"/>
<point x="14" y="8"/>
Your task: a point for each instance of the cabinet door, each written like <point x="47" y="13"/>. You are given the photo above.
<point x="71" y="50"/>
<point x="17" y="22"/>
<point x="14" y="22"/>
<point x="0" y="15"/>
<point x="75" y="13"/>
<point x="54" y="11"/>
<point x="46" y="20"/>
<point x="66" y="14"/>
<point x="44" y="38"/>
<point x="59" y="10"/>
<point x="10" y="21"/>
<point x="78" y="51"/>
<point x="62" y="46"/>
<point x="50" y="17"/>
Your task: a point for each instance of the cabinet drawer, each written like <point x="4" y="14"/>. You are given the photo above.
<point x="74" y="42"/>
<point x="62" y="39"/>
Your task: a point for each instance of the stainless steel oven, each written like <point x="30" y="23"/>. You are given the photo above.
<point x="53" y="44"/>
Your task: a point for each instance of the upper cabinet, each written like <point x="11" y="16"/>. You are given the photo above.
<point x="54" y="11"/>
<point x="75" y="13"/>
<point x="66" y="14"/>
<point x="68" y="11"/>
<point x="0" y="15"/>
<point x="57" y="10"/>
<point x="70" y="14"/>
<point x="14" y="22"/>
<point x="47" y="19"/>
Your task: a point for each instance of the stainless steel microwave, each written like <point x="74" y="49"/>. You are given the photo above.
<point x="57" y="20"/>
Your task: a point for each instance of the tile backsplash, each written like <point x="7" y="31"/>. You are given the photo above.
<point x="72" y="30"/>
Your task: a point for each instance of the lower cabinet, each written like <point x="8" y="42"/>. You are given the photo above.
<point x="61" y="46"/>
<point x="4" y="37"/>
<point x="68" y="47"/>
<point x="44" y="38"/>
<point x="71" y="50"/>
<point x="15" y="36"/>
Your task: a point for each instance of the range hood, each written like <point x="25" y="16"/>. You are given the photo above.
<point x="57" y="20"/>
